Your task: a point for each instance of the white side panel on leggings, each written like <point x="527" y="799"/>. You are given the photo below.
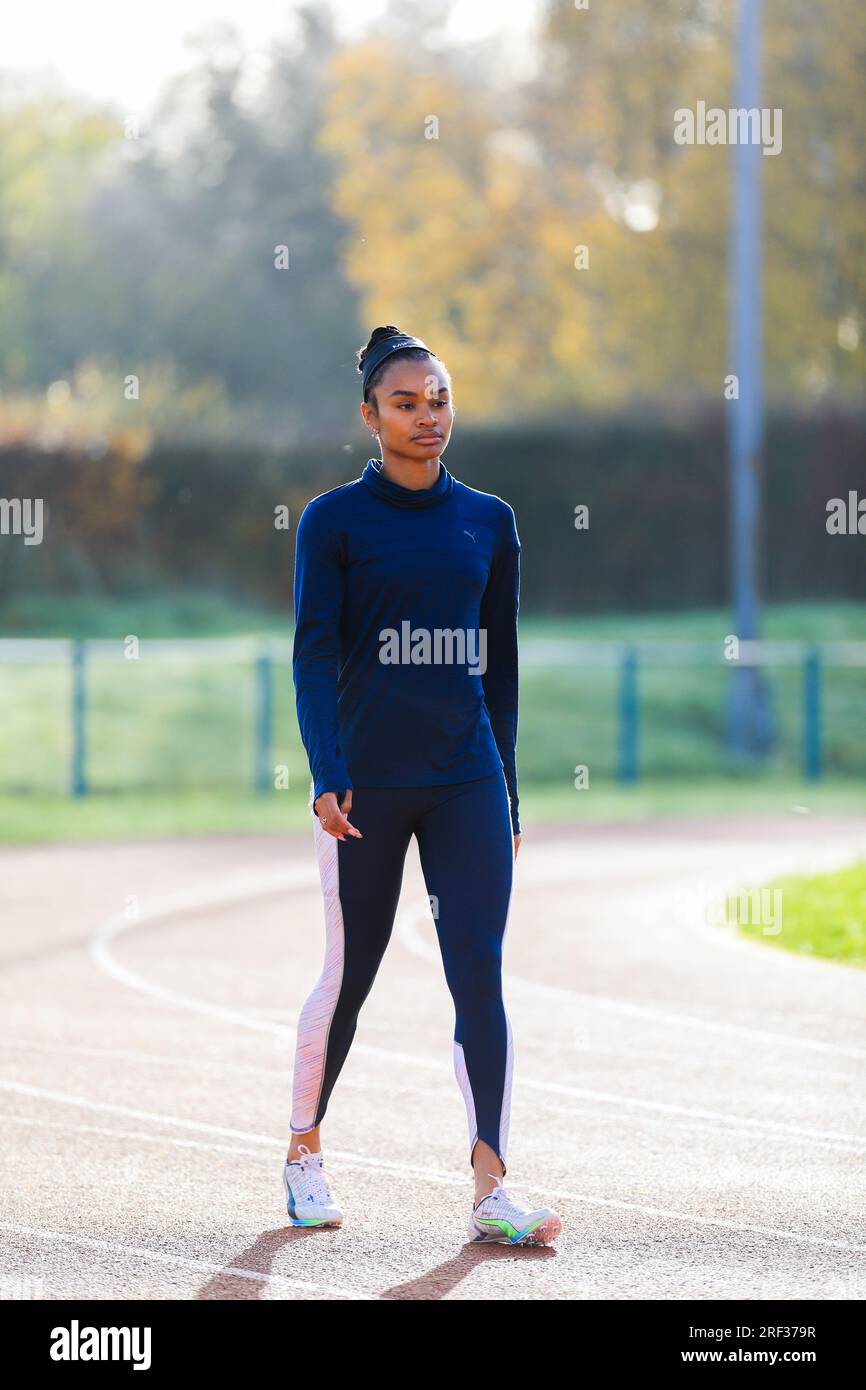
<point x="314" y="1023"/>
<point x="505" y="1118"/>
<point x="463" y="1082"/>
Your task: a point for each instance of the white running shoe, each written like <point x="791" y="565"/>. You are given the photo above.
<point x="498" y="1217"/>
<point x="308" y="1198"/>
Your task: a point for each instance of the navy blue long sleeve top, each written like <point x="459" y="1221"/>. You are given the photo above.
<point x="405" y="660"/>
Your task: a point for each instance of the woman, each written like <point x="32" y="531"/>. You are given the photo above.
<point x="405" y="672"/>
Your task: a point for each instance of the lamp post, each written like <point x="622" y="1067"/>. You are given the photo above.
<point x="750" y="719"/>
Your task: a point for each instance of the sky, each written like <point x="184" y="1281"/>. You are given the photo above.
<point x="120" y="53"/>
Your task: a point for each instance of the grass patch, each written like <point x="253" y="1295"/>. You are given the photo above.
<point x="195" y="612"/>
<point x="147" y="814"/>
<point x="821" y="915"/>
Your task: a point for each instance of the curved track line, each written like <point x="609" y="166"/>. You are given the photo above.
<point x="453" y="1179"/>
<point x="141" y="1136"/>
<point x="185" y="1262"/>
<point x="192" y="902"/>
<point x="196" y="1064"/>
<point x="100" y="944"/>
<point x="414" y="942"/>
<point x="281" y="882"/>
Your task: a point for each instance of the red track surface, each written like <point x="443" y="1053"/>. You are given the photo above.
<point x="691" y="1103"/>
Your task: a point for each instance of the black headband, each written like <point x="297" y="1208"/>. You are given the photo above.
<point x="379" y="351"/>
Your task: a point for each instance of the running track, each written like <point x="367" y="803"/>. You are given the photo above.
<point x="691" y="1102"/>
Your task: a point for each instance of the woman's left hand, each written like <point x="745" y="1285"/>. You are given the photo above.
<point x="516" y="845"/>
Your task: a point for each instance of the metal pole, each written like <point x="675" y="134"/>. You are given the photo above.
<point x="750" y="721"/>
<point x="628" y="717"/>
<point x="79" y="711"/>
<point x="264" y="724"/>
<point x="812" y="715"/>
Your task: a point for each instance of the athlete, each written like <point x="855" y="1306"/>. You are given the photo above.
<point x="405" y="669"/>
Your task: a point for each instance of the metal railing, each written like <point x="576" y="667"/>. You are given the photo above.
<point x="628" y="661"/>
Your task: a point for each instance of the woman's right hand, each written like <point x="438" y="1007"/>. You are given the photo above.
<point x="332" y="815"/>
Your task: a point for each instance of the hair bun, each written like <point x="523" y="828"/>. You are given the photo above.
<point x="388" y="330"/>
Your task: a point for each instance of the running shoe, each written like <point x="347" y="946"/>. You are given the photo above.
<point x="499" y="1217"/>
<point x="308" y="1198"/>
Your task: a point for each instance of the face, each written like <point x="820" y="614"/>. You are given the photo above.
<point x="415" y="412"/>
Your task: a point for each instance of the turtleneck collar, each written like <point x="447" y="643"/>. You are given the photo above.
<point x="407" y="496"/>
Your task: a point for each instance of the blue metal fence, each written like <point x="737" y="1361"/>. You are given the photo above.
<point x="627" y="662"/>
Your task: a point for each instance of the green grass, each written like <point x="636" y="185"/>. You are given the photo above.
<point x="33" y="818"/>
<point x="821" y="915"/>
<point x="813" y="622"/>
<point x="203" y="613"/>
<point x="172" y="613"/>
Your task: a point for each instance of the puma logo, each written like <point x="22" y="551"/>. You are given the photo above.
<point x="473" y="535"/>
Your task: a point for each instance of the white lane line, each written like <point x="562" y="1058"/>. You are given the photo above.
<point x="185" y="1262"/>
<point x="120" y="925"/>
<point x="123" y="1054"/>
<point x="235" y="1151"/>
<point x="730" y="1132"/>
<point x="341" y="1156"/>
<point x="734" y="1124"/>
<point x="219" y="1068"/>
<point x="664" y="1213"/>
<point x="574" y="862"/>
<point x="407" y="930"/>
<point x="439" y="1175"/>
<point x="159" y="912"/>
<point x="244" y="888"/>
<point x="181" y="904"/>
<point x="113" y="1108"/>
<point x="136" y="1136"/>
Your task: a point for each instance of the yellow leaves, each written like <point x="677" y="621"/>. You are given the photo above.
<point x="462" y="224"/>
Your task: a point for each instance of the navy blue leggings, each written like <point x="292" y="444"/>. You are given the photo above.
<point x="466" y="847"/>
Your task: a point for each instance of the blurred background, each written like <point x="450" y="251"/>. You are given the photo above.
<point x="199" y="226"/>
